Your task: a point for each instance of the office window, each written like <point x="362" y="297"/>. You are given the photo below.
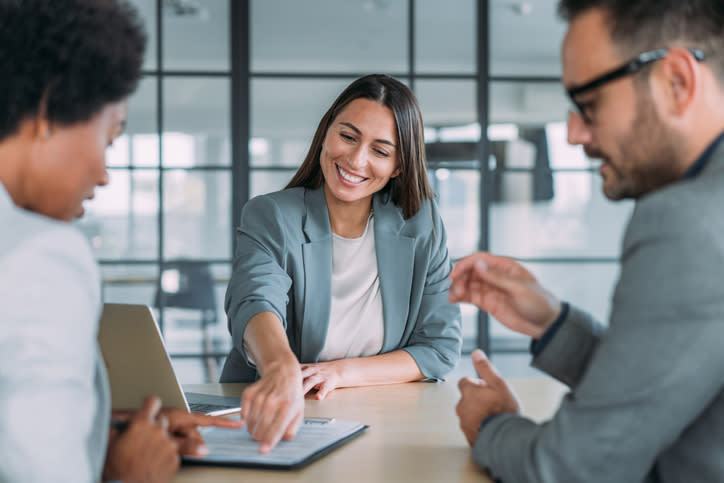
<point x="169" y="198"/>
<point x="452" y="137"/>
<point x="525" y="38"/>
<point x="129" y="284"/>
<point x="554" y="214"/>
<point x="197" y="214"/>
<point x="445" y="36"/>
<point x="121" y="222"/>
<point x="196" y="113"/>
<point x="328" y="36"/>
<point x="284" y="116"/>
<point x="459" y="202"/>
<point x="232" y="94"/>
<point x="148" y="11"/>
<point x="196" y="36"/>
<point x="546" y="205"/>
<point x="263" y="181"/>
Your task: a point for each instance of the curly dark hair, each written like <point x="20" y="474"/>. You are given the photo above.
<point x="66" y="59"/>
<point x="641" y="25"/>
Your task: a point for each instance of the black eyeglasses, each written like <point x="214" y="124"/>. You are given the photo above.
<point x="631" y="67"/>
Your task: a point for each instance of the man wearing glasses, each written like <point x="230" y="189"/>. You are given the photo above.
<point x="646" y="78"/>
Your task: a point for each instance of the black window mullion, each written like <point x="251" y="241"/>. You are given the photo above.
<point x="240" y="109"/>
<point x="483" y="104"/>
<point x="159" y="127"/>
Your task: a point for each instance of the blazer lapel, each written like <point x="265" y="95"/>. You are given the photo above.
<point x="395" y="262"/>
<point x="317" y="256"/>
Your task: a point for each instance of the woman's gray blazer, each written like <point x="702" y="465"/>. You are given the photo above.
<point x="283" y="264"/>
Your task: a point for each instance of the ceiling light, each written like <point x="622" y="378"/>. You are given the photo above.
<point x="522" y="8"/>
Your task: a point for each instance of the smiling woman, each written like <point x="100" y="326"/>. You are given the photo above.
<point x="340" y="279"/>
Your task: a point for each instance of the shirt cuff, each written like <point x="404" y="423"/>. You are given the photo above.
<point x="486" y="421"/>
<point x="537" y="345"/>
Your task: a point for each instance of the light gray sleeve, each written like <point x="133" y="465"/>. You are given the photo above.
<point x="436" y="341"/>
<point x="259" y="282"/>
<point x="566" y="356"/>
<point x="654" y="371"/>
<point x="49" y="298"/>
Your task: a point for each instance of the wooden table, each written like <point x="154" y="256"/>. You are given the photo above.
<point x="413" y="434"/>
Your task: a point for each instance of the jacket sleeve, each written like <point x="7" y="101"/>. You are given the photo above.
<point x="436" y="340"/>
<point x="568" y="353"/>
<point x="259" y="282"/>
<point x="653" y="373"/>
<point x="49" y="297"/>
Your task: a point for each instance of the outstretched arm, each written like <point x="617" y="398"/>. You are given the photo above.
<point x="273" y="407"/>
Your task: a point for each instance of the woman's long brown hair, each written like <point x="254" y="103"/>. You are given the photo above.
<point x="411" y="187"/>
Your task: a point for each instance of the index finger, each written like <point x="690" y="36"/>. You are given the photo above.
<point x="274" y="431"/>
<point x="196" y="419"/>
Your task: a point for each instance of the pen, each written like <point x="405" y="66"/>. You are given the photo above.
<point x="318" y="420"/>
<point x="119" y="424"/>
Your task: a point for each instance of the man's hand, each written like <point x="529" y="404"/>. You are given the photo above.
<point x="182" y="428"/>
<point x="144" y="452"/>
<point x="325" y="377"/>
<point x="483" y="397"/>
<point x="506" y="290"/>
<point x="273" y="407"/>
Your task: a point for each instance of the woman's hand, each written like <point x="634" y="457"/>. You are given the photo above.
<point x="273" y="407"/>
<point x="325" y="377"/>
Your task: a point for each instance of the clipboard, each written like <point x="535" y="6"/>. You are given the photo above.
<point x="236" y="448"/>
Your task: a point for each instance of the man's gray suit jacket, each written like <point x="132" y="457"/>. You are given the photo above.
<point x="646" y="400"/>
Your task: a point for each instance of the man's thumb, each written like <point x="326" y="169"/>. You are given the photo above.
<point x="485" y="369"/>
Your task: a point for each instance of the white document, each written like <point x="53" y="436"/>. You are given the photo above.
<point x="235" y="447"/>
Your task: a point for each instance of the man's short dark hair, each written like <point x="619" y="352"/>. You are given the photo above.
<point x="640" y="25"/>
<point x="66" y="57"/>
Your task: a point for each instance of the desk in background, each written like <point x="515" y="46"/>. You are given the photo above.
<point x="413" y="435"/>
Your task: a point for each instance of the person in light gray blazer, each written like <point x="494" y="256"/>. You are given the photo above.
<point x="68" y="67"/>
<point x="341" y="279"/>
<point x="646" y="400"/>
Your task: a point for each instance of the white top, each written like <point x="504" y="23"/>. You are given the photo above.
<point x="356" y="326"/>
<point x="53" y="398"/>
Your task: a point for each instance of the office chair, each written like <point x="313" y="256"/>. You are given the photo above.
<point x="188" y="284"/>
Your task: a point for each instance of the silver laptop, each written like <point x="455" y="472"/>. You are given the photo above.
<point x="138" y="364"/>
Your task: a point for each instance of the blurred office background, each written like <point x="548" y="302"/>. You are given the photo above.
<point x="232" y="93"/>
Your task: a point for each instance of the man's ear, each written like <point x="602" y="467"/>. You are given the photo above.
<point x="680" y="80"/>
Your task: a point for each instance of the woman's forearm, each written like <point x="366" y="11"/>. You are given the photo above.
<point x="266" y="342"/>
<point x="390" y="368"/>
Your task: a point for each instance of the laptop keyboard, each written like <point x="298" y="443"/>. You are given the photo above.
<point x="205" y="408"/>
